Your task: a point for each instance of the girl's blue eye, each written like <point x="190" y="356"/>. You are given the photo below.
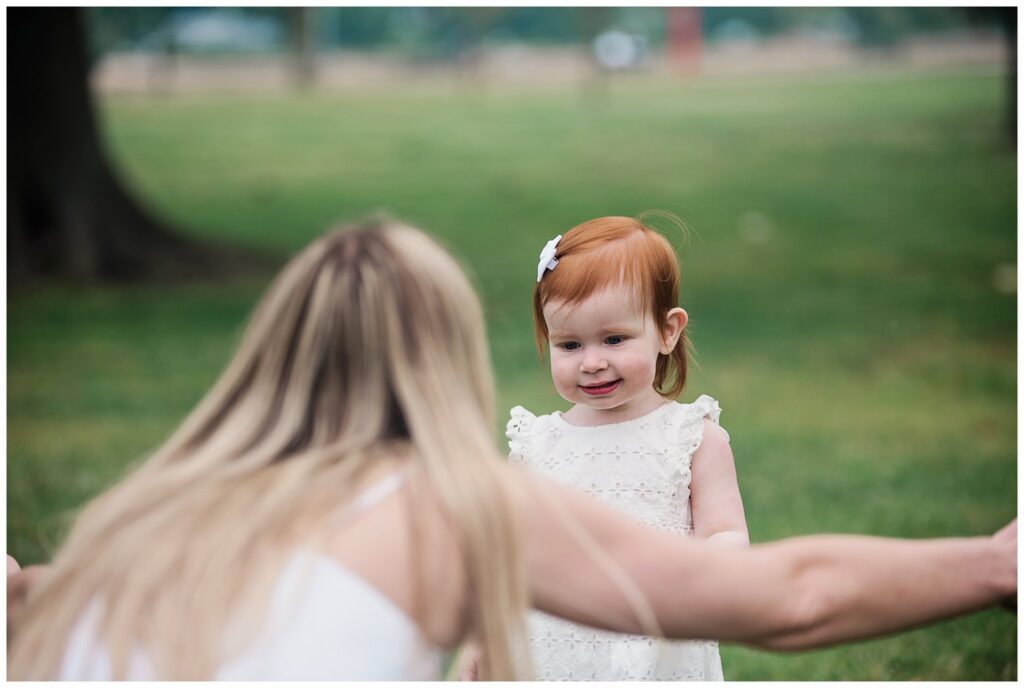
<point x="613" y="340"/>
<point x="569" y="346"/>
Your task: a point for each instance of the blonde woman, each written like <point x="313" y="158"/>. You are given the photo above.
<point x="335" y="508"/>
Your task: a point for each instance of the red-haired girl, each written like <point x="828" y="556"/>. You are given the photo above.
<point x="606" y="309"/>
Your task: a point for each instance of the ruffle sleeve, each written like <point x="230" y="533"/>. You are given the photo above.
<point x="520" y="431"/>
<point x="692" y="430"/>
<point x="707" y="407"/>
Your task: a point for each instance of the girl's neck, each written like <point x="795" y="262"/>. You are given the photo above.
<point x="587" y="416"/>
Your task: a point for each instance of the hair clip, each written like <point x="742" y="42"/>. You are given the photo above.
<point x="547" y="257"/>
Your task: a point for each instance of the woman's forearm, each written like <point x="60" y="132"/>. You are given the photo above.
<point x="844" y="588"/>
<point x="729" y="538"/>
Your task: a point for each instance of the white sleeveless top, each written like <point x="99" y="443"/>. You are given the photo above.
<point x="641" y="467"/>
<point x="324" y="623"/>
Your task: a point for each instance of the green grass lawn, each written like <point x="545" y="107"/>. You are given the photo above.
<point x="838" y="276"/>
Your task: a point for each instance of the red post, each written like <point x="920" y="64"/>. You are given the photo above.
<point x="683" y="39"/>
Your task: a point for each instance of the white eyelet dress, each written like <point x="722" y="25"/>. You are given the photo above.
<point x="641" y="467"/>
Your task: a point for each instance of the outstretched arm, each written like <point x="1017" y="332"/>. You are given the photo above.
<point x="852" y="587"/>
<point x="787" y="595"/>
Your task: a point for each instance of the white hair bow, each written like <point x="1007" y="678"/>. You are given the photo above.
<point x="547" y="257"/>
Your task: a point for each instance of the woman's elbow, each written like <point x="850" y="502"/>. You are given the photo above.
<point x="803" y="619"/>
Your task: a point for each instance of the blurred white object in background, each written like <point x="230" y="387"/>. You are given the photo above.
<point x="618" y="51"/>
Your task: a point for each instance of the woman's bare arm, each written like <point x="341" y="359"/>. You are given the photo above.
<point x="787" y="595"/>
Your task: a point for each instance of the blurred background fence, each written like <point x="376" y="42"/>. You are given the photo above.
<point x="849" y="176"/>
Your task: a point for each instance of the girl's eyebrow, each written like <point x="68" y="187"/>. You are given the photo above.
<point x="614" y="328"/>
<point x="617" y="327"/>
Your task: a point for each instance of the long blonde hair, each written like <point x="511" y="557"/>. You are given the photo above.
<point x="368" y="347"/>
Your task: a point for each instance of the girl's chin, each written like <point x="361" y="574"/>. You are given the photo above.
<point x="605" y="403"/>
<point x="618" y="401"/>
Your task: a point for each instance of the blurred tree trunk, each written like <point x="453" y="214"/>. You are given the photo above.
<point x="592" y="21"/>
<point x="164" y="68"/>
<point x="300" y="32"/>
<point x="478" y="21"/>
<point x="1008" y="16"/>
<point x="1006" y="19"/>
<point x="67" y="212"/>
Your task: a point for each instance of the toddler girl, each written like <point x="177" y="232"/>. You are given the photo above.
<point x="605" y="306"/>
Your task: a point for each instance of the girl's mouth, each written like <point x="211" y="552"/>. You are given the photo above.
<point x="602" y="388"/>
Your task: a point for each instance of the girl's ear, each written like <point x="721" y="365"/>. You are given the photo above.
<point x="672" y="329"/>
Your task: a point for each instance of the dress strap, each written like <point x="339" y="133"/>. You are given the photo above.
<point x="376" y="492"/>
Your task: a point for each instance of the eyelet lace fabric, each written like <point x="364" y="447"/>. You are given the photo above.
<point x="641" y="467"/>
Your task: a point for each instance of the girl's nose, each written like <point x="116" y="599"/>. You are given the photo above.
<point x="592" y="364"/>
